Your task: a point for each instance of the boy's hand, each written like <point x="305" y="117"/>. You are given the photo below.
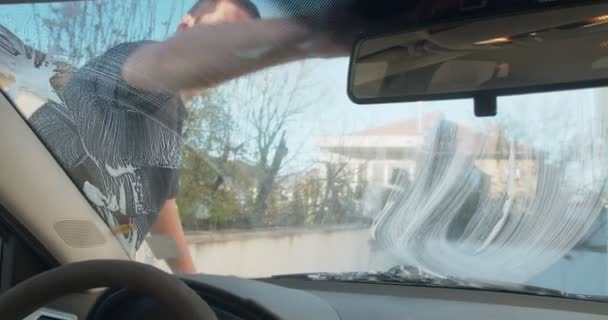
<point x="327" y="45"/>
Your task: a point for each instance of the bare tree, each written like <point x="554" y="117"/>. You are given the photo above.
<point x="242" y="135"/>
<point x="82" y="30"/>
<point x="266" y="103"/>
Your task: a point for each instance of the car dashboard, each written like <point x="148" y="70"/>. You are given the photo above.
<point x="301" y="299"/>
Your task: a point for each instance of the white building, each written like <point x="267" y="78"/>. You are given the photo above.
<point x="380" y="156"/>
<point x="377" y="155"/>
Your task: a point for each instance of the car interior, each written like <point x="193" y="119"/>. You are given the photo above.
<point x="61" y="260"/>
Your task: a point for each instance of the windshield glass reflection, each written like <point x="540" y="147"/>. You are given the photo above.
<point x="272" y="170"/>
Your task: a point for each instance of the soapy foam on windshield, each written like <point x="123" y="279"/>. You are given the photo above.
<point x="506" y="234"/>
<point x="116" y="188"/>
<point x="94" y="194"/>
<point x="119" y="170"/>
<point x="28" y="75"/>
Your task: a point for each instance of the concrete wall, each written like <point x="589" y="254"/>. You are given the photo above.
<point x="285" y="251"/>
<point x="343" y="249"/>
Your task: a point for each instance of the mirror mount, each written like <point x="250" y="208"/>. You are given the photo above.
<point x="485" y="104"/>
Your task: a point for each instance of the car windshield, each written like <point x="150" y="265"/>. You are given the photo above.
<point x="271" y="170"/>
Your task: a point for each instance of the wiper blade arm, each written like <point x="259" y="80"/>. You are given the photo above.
<point x="413" y="276"/>
<point x="401" y="274"/>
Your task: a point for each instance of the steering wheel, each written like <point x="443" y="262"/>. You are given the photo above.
<point x="34" y="293"/>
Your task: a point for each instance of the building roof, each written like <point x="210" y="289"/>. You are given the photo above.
<point x="410" y="127"/>
<point x="412" y="134"/>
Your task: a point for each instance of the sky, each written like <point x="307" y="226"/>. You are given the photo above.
<point x="532" y="117"/>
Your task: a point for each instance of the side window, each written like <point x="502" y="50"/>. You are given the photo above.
<point x="21" y="256"/>
<point x="4" y="277"/>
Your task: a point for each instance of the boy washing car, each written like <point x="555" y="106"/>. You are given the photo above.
<point x="118" y="130"/>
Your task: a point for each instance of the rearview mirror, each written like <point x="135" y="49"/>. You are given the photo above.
<point x="564" y="48"/>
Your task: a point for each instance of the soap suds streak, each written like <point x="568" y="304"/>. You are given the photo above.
<point x="30" y="68"/>
<point x="119" y="144"/>
<point x="452" y="220"/>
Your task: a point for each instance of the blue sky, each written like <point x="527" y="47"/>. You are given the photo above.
<point x="334" y="114"/>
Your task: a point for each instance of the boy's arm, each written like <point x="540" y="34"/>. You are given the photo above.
<point x="205" y="56"/>
<point x="169" y="224"/>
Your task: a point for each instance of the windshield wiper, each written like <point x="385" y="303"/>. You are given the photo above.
<point x="413" y="276"/>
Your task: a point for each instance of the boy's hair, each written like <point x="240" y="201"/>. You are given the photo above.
<point x="247" y="5"/>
